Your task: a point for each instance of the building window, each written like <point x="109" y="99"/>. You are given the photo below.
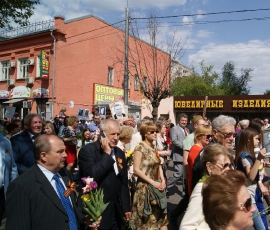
<point x="144" y="83"/>
<point x="23" y="68"/>
<point x="110" y="76"/>
<point x="4" y="70"/>
<point x="136" y="82"/>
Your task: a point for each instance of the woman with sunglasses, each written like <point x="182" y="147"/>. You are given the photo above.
<point x="147" y="213"/>
<point x="226" y="202"/>
<point x="202" y="137"/>
<point x="216" y="160"/>
<point x="251" y="166"/>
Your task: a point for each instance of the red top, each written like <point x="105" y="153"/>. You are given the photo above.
<point x="193" y="153"/>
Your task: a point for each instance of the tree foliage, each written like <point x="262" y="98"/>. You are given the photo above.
<point x="210" y="83"/>
<point x="232" y="84"/>
<point x="197" y="84"/>
<point x="18" y="11"/>
<point x="267" y="92"/>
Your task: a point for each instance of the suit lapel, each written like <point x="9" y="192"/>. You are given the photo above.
<point x="47" y="188"/>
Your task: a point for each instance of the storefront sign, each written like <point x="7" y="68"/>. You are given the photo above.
<point x="41" y="93"/>
<point x="107" y="93"/>
<point x="258" y="103"/>
<point x="4" y="94"/>
<point x="198" y="104"/>
<point x="20" y="92"/>
<point x="44" y="64"/>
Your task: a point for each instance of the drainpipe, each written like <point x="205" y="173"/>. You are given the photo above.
<point x="53" y="72"/>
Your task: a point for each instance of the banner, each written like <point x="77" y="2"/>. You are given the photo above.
<point x="40" y="93"/>
<point x="44" y="64"/>
<point x="20" y="92"/>
<point x="4" y="94"/>
<point x="10" y="111"/>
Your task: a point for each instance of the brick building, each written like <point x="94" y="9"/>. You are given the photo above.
<point x="47" y="65"/>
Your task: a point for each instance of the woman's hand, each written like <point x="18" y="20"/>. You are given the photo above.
<point x="156" y="184"/>
<point x="261" y="154"/>
<point x="263" y="189"/>
<point x="162" y="185"/>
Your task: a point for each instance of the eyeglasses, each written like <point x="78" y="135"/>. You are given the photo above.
<point x="247" y="205"/>
<point x="153" y="131"/>
<point x="223" y="166"/>
<point x="227" y="135"/>
<point x="208" y="136"/>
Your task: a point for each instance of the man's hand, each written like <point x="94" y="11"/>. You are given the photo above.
<point x="89" y="222"/>
<point x="128" y="216"/>
<point x="105" y="145"/>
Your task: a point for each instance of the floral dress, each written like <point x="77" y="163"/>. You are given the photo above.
<point x="150" y="167"/>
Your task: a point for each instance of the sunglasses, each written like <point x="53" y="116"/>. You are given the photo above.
<point x="223" y="166"/>
<point x="227" y="135"/>
<point x="208" y="136"/>
<point x="154" y="131"/>
<point x="247" y="205"/>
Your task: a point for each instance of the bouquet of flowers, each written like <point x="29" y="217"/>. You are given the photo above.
<point x="93" y="198"/>
<point x="129" y="156"/>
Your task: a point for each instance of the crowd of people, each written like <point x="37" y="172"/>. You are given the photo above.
<point x="220" y="164"/>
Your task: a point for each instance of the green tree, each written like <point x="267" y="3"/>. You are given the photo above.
<point x="232" y="84"/>
<point x="197" y="84"/>
<point x="267" y="92"/>
<point x="18" y="11"/>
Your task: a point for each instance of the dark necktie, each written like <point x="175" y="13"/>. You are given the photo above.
<point x="66" y="203"/>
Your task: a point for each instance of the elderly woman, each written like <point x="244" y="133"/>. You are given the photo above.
<point x="226" y="202"/>
<point x="69" y="137"/>
<point x="125" y="137"/>
<point x="216" y="160"/>
<point x="48" y="128"/>
<point x="150" y="180"/>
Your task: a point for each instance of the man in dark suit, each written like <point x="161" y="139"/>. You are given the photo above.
<point x="22" y="143"/>
<point x="106" y="163"/>
<point x="35" y="199"/>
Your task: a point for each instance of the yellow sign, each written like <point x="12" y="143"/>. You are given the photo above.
<point x="107" y="93"/>
<point x="198" y="104"/>
<point x="257" y="103"/>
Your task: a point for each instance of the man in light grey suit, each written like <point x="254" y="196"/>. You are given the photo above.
<point x="177" y="135"/>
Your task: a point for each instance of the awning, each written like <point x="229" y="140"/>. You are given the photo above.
<point x="14" y="100"/>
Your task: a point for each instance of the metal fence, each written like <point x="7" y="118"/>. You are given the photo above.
<point x="26" y="30"/>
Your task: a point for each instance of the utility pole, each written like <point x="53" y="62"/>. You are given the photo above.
<point x="126" y="76"/>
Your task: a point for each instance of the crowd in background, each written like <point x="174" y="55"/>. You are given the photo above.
<point x="202" y="152"/>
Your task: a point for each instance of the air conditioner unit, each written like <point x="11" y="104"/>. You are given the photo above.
<point x="11" y="82"/>
<point x="29" y="80"/>
<point x="31" y="61"/>
<point x="11" y="64"/>
<point x="25" y="105"/>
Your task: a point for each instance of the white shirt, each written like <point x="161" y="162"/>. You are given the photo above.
<point x="115" y="163"/>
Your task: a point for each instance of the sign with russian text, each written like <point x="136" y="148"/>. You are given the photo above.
<point x="257" y="103"/>
<point x="107" y="93"/>
<point x="4" y="94"/>
<point x="198" y="104"/>
<point x="20" y="92"/>
<point x="40" y="93"/>
<point x="44" y="64"/>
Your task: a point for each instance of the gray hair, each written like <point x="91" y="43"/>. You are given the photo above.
<point x="221" y="121"/>
<point x="140" y="122"/>
<point x="244" y="122"/>
<point x="28" y="118"/>
<point x="43" y="144"/>
<point x="104" y="124"/>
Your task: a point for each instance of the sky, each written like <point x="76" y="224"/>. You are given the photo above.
<point x="240" y="37"/>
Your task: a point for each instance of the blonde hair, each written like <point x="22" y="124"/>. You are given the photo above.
<point x="146" y="127"/>
<point x="125" y="132"/>
<point x="71" y="120"/>
<point x="202" y="130"/>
